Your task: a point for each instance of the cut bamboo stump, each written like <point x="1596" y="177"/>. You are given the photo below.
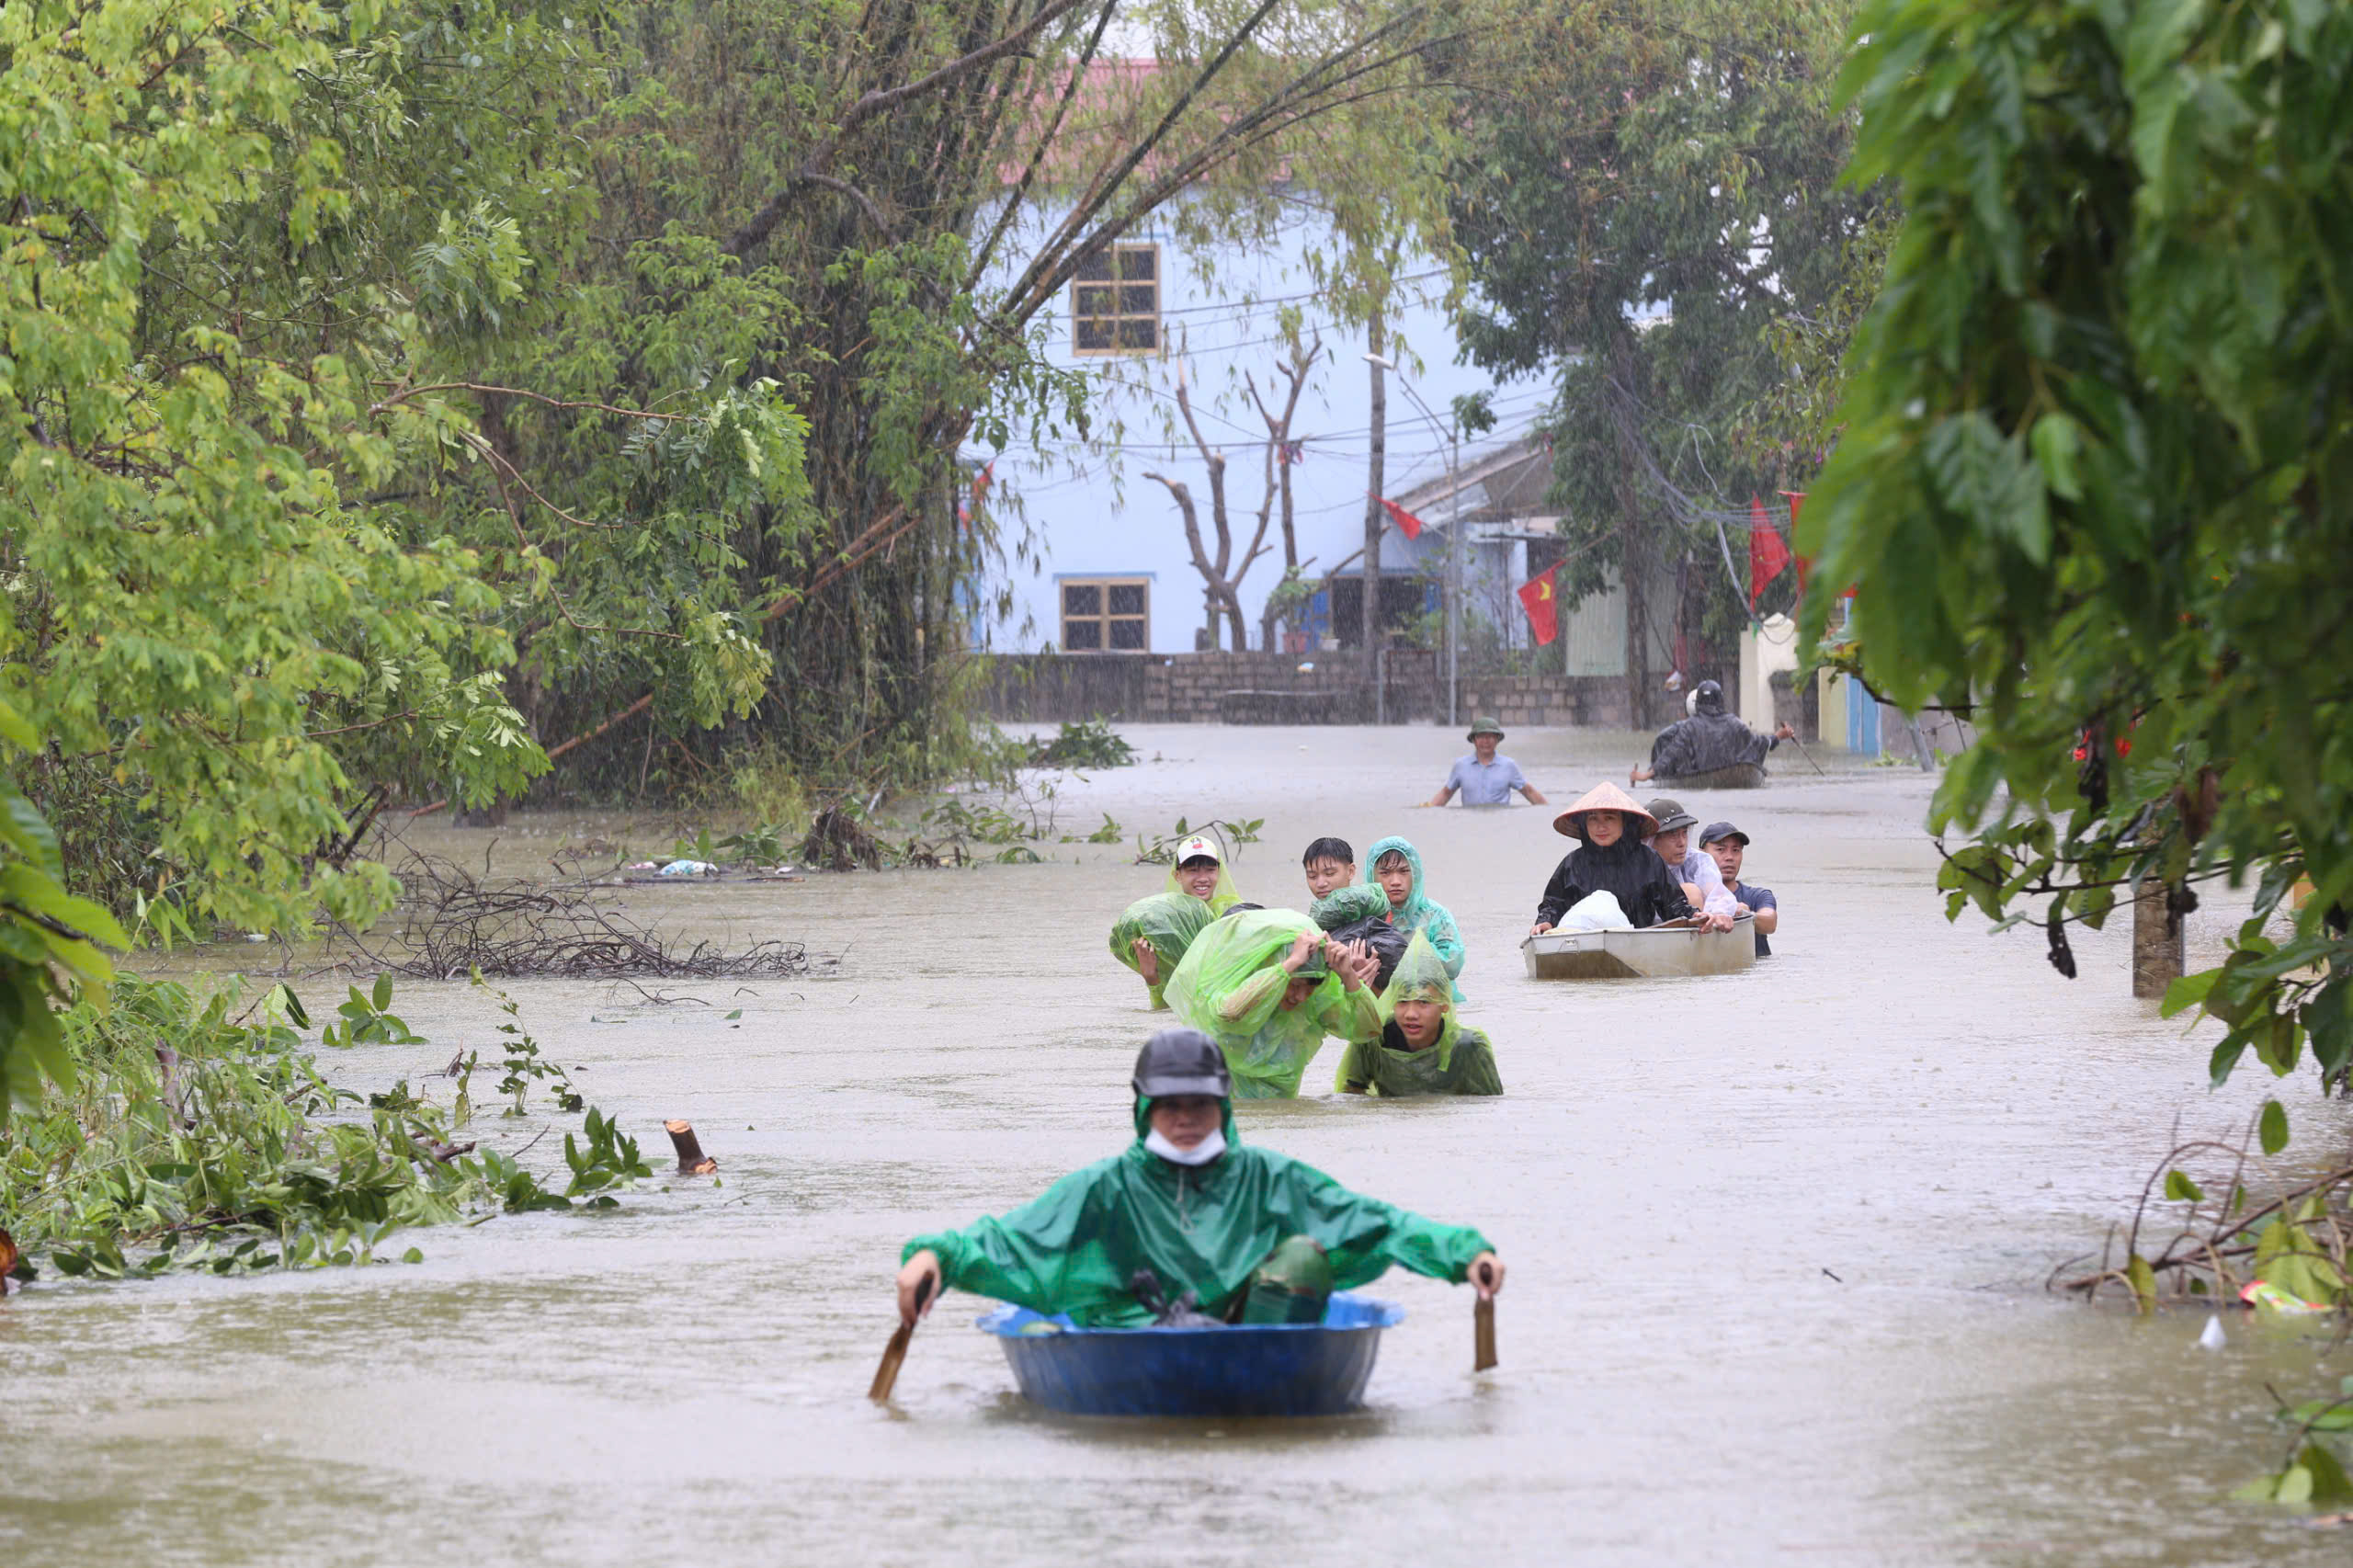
<point x="692" y="1161"/>
<point x="2156" y="940"/>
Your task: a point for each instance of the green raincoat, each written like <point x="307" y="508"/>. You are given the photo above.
<point x="1171" y="921"/>
<point x="1461" y="1063"/>
<point x="1420" y="912"/>
<point x="1231" y="988"/>
<point x="1206" y="1229"/>
<point x="1349" y="905"/>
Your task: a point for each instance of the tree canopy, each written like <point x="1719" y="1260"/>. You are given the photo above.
<point x="2092" y="490"/>
<point x="1649" y="196"/>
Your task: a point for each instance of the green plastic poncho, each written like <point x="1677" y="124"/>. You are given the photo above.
<point x="1420" y="912"/>
<point x="1348" y="905"/>
<point x="1223" y="898"/>
<point x="1461" y="1063"/>
<point x="1231" y="988"/>
<point x="1206" y="1229"/>
<point x="1169" y="921"/>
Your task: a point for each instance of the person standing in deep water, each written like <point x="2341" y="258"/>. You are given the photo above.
<point x="1611" y="858"/>
<point x="1425" y="1047"/>
<point x="1729" y="845"/>
<point x="1397" y="872"/>
<point x="1270" y="987"/>
<point x="1485" y="779"/>
<point x="1191" y="1203"/>
<point x="1199" y="871"/>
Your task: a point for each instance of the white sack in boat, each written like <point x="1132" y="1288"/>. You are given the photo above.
<point x="1595" y="912"/>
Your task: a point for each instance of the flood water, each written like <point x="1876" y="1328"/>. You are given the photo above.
<point x="1677" y="1174"/>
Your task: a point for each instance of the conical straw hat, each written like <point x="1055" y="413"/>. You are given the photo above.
<point x="1604" y="797"/>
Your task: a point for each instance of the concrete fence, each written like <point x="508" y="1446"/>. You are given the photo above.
<point x="1289" y="688"/>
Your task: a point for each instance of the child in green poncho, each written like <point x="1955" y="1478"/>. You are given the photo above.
<point x="1269" y="986"/>
<point x="1396" y="870"/>
<point x="1423" y="1048"/>
<point x="1189" y="1202"/>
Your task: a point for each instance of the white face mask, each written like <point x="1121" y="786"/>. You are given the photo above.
<point x="1200" y="1153"/>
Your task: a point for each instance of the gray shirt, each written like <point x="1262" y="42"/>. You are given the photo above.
<point x="1486" y="784"/>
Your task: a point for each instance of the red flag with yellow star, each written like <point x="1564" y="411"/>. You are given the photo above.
<point x="1542" y="598"/>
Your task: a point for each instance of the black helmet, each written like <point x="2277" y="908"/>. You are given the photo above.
<point x="1708" y="697"/>
<point x="1181" y="1062"/>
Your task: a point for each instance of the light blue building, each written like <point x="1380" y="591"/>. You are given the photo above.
<point x="1107" y="566"/>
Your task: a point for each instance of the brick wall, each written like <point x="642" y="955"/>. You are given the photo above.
<point x="1208" y="688"/>
<point x="1519" y="702"/>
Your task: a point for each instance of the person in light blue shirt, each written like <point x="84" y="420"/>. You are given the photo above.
<point x="1485" y="779"/>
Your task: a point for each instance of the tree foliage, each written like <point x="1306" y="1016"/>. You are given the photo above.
<point x="244" y="250"/>
<point x="2093" y="487"/>
<point x="393" y="389"/>
<point x="1651" y="197"/>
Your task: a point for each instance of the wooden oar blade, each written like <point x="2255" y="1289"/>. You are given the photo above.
<point x="887" y="1374"/>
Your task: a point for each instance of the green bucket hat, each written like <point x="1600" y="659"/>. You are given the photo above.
<point x="1484" y="725"/>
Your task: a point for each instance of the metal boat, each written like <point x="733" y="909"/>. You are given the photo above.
<point x="1242" y="1369"/>
<point x="1656" y="953"/>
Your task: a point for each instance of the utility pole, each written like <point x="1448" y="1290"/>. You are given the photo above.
<point x="1451" y="436"/>
<point x="1376" y="334"/>
<point x="1454" y="577"/>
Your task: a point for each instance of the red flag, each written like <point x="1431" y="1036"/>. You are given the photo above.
<point x="1767" y="556"/>
<point x="1793" y="497"/>
<point x="1407" y="524"/>
<point x="1540" y="597"/>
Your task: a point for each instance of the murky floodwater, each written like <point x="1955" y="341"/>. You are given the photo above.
<point x="1676" y="1172"/>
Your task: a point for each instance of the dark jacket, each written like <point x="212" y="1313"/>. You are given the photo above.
<point x="1645" y="889"/>
<point x="1705" y="743"/>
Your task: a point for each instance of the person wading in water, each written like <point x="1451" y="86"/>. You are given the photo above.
<point x="1152" y="933"/>
<point x="1269" y="986"/>
<point x="1190" y="1217"/>
<point x="1423" y="1047"/>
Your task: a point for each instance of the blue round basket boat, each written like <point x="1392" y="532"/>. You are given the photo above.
<point x="1243" y="1369"/>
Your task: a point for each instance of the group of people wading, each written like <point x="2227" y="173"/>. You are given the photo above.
<point x="1189" y="1226"/>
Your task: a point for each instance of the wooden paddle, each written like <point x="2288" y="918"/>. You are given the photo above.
<point x="1482" y="1326"/>
<point x="887" y="1374"/>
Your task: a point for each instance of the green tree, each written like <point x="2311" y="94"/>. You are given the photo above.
<point x="1646" y="199"/>
<point x="243" y="250"/>
<point x="2093" y="484"/>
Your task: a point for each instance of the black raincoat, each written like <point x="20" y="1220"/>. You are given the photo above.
<point x="1704" y="743"/>
<point x="1629" y="869"/>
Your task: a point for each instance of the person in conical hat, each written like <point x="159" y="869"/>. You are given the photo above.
<point x="1610" y="858"/>
<point x="1423" y="1048"/>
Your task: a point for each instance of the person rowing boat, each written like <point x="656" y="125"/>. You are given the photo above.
<point x="1712" y="746"/>
<point x="1190" y="1217"/>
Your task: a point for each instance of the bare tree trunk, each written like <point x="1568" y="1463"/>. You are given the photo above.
<point x="1376" y="478"/>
